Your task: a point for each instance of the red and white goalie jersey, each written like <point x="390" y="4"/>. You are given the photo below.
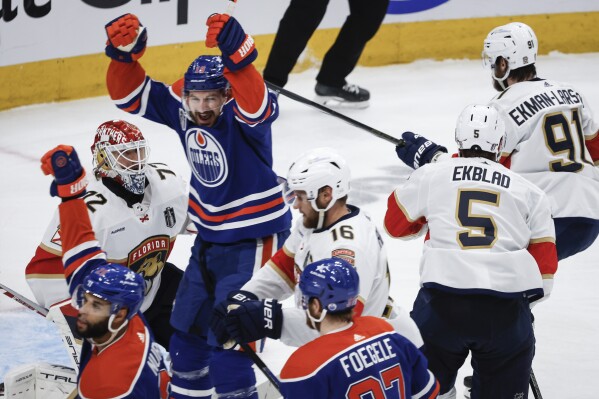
<point x="550" y="128"/>
<point x="354" y="238"/>
<point x="490" y="230"/>
<point x="140" y="237"/>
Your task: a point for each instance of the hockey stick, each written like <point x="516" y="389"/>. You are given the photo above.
<point x="231" y="7"/>
<point x="327" y="110"/>
<point x="54" y="315"/>
<point x="23" y="300"/>
<point x="262" y="366"/>
<point x="536" y="392"/>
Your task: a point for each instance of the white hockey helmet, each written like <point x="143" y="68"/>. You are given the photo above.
<point x="318" y="168"/>
<point x="516" y="42"/>
<point x="480" y="127"/>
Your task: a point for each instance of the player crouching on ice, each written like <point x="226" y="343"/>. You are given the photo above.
<point x="119" y="357"/>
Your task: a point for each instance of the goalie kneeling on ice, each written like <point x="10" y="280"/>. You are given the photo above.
<point x="40" y="380"/>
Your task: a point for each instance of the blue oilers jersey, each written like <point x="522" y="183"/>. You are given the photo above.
<point x="365" y="359"/>
<point x="234" y="193"/>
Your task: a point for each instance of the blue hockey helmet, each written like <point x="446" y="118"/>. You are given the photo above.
<point x="333" y="281"/>
<point x="115" y="284"/>
<point x="205" y="73"/>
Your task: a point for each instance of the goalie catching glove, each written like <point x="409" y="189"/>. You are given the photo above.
<point x="247" y="318"/>
<point x="237" y="47"/>
<point x="63" y="163"/>
<point x="127" y="38"/>
<point x="418" y="150"/>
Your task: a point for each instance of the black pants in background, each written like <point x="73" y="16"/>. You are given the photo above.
<point x="299" y="23"/>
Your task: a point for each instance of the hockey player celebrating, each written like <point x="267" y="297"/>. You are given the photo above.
<point x="329" y="227"/>
<point x="223" y="113"/>
<point x="355" y="356"/>
<point x="137" y="209"/>
<point x="489" y="251"/>
<point x="119" y="358"/>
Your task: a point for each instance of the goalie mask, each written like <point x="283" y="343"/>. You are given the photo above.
<point x="120" y="153"/>
<point x="334" y="282"/>
<point x="516" y="42"/>
<point x="480" y="127"/>
<point x="316" y="169"/>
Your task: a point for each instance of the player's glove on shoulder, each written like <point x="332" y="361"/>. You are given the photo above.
<point x="418" y="150"/>
<point x="127" y="38"/>
<point x="237" y="47"/>
<point x="252" y="319"/>
<point x="69" y="176"/>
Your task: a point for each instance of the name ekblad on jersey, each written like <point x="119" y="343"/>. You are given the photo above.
<point x="206" y="157"/>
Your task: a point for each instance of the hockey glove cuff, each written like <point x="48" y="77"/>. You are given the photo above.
<point x="417" y="150"/>
<point x="69" y="177"/>
<point x="252" y="319"/>
<point x="127" y="38"/>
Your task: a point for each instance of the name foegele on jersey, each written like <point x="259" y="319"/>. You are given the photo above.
<point x="549" y="98"/>
<point x="367" y="356"/>
<point x="477" y="173"/>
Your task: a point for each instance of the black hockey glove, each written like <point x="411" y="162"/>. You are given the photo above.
<point x="418" y="150"/>
<point x="251" y="319"/>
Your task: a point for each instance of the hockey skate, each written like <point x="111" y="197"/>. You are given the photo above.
<point x="348" y="96"/>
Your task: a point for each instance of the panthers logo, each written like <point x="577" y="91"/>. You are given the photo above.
<point x="149" y="257"/>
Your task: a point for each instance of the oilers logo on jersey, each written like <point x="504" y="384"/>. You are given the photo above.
<point x="207" y="158"/>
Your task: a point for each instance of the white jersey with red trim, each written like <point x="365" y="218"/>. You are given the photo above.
<point x="549" y="129"/>
<point x="139" y="237"/>
<point x="490" y="230"/>
<point x="354" y="238"/>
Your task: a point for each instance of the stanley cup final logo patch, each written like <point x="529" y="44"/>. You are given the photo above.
<point x="169" y="217"/>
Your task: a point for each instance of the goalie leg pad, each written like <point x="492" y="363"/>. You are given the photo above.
<point x="40" y="380"/>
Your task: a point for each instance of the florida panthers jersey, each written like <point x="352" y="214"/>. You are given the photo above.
<point x="366" y="359"/>
<point x="234" y="192"/>
<point x="490" y="230"/>
<point x="550" y="128"/>
<point x="139" y="237"/>
<point x="355" y="238"/>
<point x="131" y="366"/>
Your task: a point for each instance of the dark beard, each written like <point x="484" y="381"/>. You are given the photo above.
<point x="310" y="222"/>
<point x="95" y="330"/>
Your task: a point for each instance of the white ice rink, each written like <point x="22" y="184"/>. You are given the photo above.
<point x="425" y="97"/>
